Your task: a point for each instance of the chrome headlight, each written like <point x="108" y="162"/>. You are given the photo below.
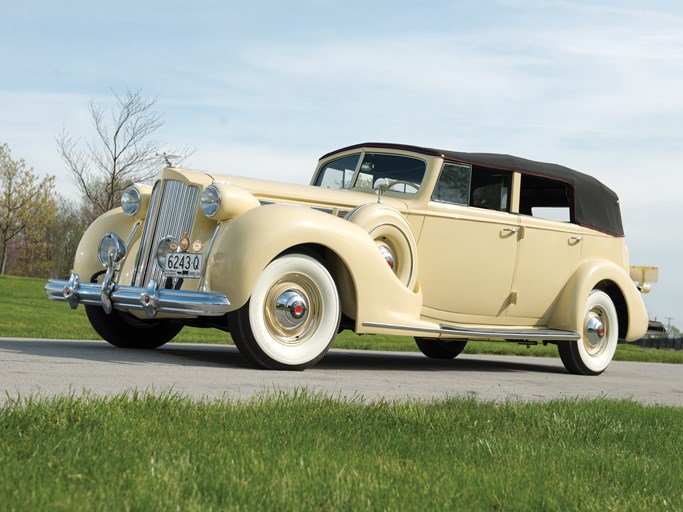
<point x="210" y="201"/>
<point x="131" y="199"/>
<point x="111" y="249"/>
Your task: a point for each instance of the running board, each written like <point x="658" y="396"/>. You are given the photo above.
<point x="506" y="334"/>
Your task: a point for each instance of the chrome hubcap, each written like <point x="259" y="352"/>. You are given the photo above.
<point x="594" y="330"/>
<point x="387" y="252"/>
<point x="293" y="309"/>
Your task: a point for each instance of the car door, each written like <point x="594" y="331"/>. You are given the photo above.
<point x="468" y="245"/>
<point x="549" y="248"/>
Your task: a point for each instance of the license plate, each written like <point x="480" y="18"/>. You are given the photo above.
<point x="184" y="264"/>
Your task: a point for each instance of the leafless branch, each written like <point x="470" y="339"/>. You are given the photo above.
<point x="122" y="152"/>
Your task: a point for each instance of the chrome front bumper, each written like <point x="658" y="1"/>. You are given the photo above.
<point x="150" y="299"/>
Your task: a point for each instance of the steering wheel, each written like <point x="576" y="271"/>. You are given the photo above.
<point x="392" y="183"/>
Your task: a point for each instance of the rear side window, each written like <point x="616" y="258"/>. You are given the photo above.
<point x="546" y="199"/>
<point x="490" y="189"/>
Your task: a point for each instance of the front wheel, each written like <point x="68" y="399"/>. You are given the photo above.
<point x="440" y="349"/>
<point x="126" y="331"/>
<point x="591" y="354"/>
<point x="292" y="316"/>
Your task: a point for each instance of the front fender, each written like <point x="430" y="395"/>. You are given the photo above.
<point x="568" y="313"/>
<point x="246" y="245"/>
<point x="86" y="261"/>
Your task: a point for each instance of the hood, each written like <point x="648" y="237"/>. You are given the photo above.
<point x="277" y="192"/>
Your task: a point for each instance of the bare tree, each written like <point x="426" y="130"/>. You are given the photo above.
<point x="120" y="154"/>
<point x="27" y="204"/>
<point x="63" y="235"/>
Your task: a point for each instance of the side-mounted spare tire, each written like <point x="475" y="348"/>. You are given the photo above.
<point x="393" y="236"/>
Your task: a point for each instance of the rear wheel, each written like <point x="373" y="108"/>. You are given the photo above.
<point x="591" y="354"/>
<point x="292" y="316"/>
<point x="440" y="349"/>
<point x="126" y="331"/>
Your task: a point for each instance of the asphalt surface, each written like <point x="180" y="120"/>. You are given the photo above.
<point x="43" y="368"/>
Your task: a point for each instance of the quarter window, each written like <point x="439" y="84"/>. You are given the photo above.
<point x="546" y="199"/>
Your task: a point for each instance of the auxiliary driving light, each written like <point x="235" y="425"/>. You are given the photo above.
<point x="111" y="249"/>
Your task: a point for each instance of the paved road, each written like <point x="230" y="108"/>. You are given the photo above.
<point x="49" y="367"/>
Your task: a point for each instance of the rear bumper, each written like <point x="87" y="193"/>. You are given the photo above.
<point x="151" y="299"/>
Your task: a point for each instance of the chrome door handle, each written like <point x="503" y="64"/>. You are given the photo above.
<point x="576" y="238"/>
<point x="510" y="230"/>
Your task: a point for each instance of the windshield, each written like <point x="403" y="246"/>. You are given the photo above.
<point x="404" y="173"/>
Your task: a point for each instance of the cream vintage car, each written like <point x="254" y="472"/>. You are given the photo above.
<point x="387" y="239"/>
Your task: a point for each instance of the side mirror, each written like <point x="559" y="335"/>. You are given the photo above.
<point x="381" y="186"/>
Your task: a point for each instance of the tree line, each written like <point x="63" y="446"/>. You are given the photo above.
<point x="39" y="228"/>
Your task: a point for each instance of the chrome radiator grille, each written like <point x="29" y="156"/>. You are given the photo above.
<point x="171" y="212"/>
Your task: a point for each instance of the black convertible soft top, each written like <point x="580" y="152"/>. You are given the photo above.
<point x="596" y="205"/>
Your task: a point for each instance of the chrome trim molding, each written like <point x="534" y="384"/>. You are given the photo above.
<point x="500" y="333"/>
<point x="150" y="299"/>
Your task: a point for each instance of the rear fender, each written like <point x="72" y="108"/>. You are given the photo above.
<point x="568" y="313"/>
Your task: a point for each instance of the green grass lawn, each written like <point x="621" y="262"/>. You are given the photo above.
<point x="303" y="452"/>
<point x="28" y="313"/>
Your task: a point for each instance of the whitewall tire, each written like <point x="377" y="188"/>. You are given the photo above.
<point x="591" y="354"/>
<point x="292" y="316"/>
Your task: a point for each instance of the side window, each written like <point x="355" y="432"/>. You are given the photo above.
<point x="546" y="199"/>
<point x="339" y="173"/>
<point x="454" y="184"/>
<point x="490" y="189"/>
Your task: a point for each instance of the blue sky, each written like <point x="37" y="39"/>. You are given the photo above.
<point x="263" y="88"/>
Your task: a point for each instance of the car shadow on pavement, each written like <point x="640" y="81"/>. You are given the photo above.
<point x="383" y="361"/>
<point x="227" y="356"/>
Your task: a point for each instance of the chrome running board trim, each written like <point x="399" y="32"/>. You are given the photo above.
<point x="470" y="333"/>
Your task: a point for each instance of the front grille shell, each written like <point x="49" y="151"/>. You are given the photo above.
<point x="172" y="211"/>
